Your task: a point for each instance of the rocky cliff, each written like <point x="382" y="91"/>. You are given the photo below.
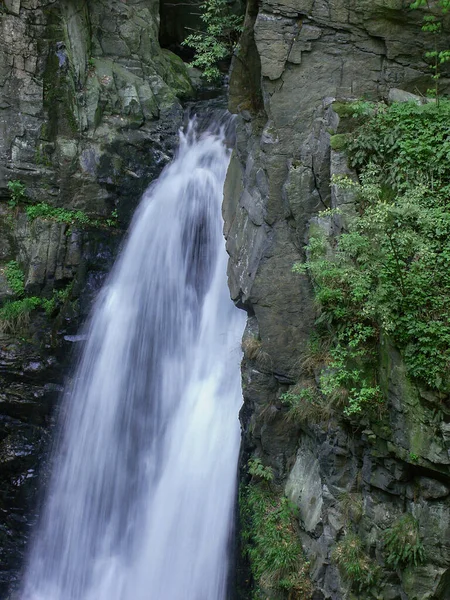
<point x="349" y="482"/>
<point x="89" y="113"/>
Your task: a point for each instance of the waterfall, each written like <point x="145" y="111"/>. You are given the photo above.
<point x="140" y="502"/>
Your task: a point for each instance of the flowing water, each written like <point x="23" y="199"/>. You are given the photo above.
<point x="141" y="499"/>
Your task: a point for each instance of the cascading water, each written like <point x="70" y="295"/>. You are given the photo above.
<point x="141" y="499"/>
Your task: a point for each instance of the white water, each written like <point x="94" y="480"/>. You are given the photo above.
<point x="141" y="499"/>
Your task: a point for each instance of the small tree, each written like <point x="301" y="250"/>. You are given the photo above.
<point x="217" y="42"/>
<point x="432" y="24"/>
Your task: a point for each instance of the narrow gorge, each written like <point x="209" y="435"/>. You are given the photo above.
<point x="344" y="479"/>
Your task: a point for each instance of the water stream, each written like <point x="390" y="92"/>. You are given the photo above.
<point x="141" y="498"/>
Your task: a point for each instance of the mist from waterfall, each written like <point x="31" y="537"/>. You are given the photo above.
<point x="140" y="502"/>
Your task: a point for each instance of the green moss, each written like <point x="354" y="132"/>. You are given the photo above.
<point x="339" y="141"/>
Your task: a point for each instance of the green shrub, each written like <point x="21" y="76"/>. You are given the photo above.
<point x="436" y="56"/>
<point x="408" y="145"/>
<point x="14" y="316"/>
<point x="17" y="190"/>
<point x="354" y="563"/>
<point x="15" y="277"/>
<point x="403" y="546"/>
<point x="389" y="273"/>
<point x="272" y="544"/>
<point x="217" y="42"/>
<point x="338" y="142"/>
<point x="258" y="470"/>
<point x="60" y="215"/>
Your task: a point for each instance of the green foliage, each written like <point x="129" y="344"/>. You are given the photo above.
<point x="437" y="57"/>
<point x="113" y="220"/>
<point x="17" y="190"/>
<point x="76" y="218"/>
<point x="15" y="277"/>
<point x="305" y="405"/>
<point x="399" y="245"/>
<point x="272" y="544"/>
<point x="354" y="563"/>
<point x="258" y="470"/>
<point x="389" y="272"/>
<point x="349" y="378"/>
<point x="402" y="543"/>
<point x="354" y="109"/>
<point x="217" y="42"/>
<point x="60" y="215"/>
<point x="15" y="315"/>
<point x="338" y="142"/>
<point x="409" y="144"/>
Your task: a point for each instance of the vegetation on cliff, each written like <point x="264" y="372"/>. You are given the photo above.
<point x="388" y="272"/>
<point x="217" y="42"/>
<point x="270" y="538"/>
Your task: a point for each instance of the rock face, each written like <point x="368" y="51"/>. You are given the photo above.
<point x="89" y="113"/>
<point x="296" y="59"/>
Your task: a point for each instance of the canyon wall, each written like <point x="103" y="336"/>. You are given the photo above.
<point x="297" y="60"/>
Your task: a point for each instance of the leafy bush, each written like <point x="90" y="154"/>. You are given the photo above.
<point x="437" y="57"/>
<point x="272" y="544"/>
<point x="15" y="278"/>
<point x="15" y="315"/>
<point x="17" y="190"/>
<point x="402" y="543"/>
<point x="354" y="563"/>
<point x="409" y="145"/>
<point x="70" y="217"/>
<point x="217" y="42"/>
<point x="389" y="272"/>
<point x="258" y="470"/>
<point x="60" y="215"/>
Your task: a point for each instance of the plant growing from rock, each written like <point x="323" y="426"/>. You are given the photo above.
<point x="217" y="42"/>
<point x="253" y="350"/>
<point x="355" y="564"/>
<point x="433" y="25"/>
<point x="352" y="506"/>
<point x="18" y="193"/>
<point x="388" y="274"/>
<point x="403" y="546"/>
<point x="59" y="215"/>
<point x="15" y="278"/>
<point x="258" y="470"/>
<point x="305" y="405"/>
<point x="15" y="315"/>
<point x="272" y="544"/>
